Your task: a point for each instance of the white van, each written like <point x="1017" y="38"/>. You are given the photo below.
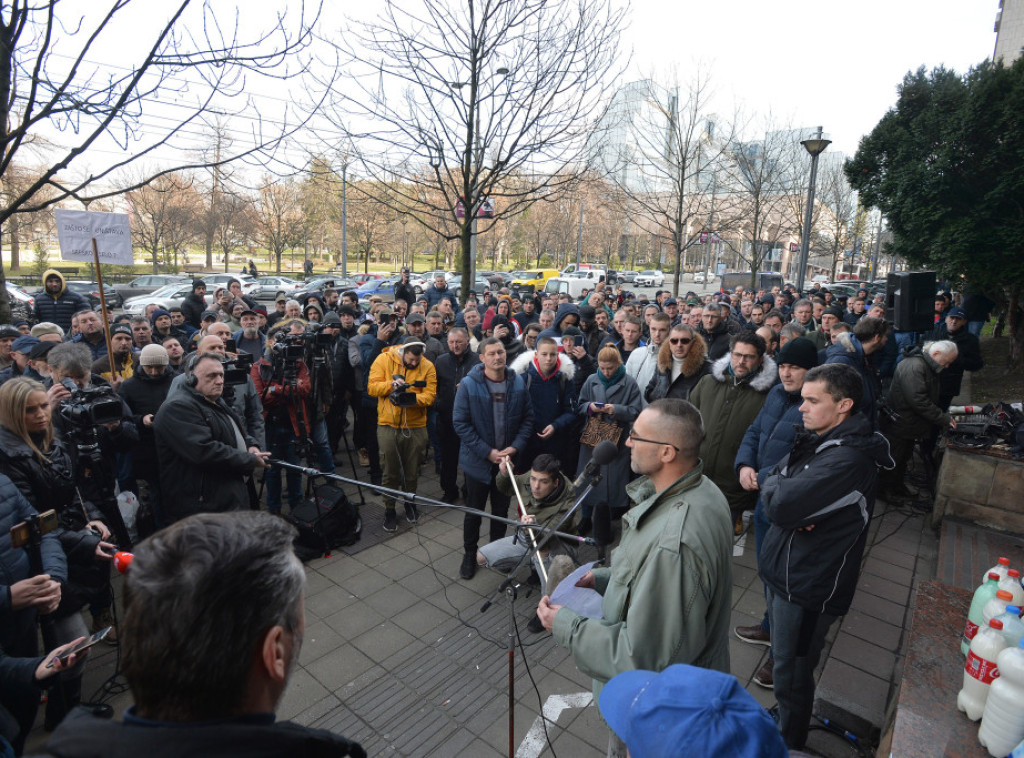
<point x="574" y="284"/>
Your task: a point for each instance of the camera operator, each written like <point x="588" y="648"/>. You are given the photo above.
<point x="405" y="385"/>
<point x="282" y="380"/>
<point x="342" y="379"/>
<point x="205" y="456"/>
<point x="374" y="339"/>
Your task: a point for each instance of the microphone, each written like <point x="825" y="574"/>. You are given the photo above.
<point x="604" y="453"/>
<point x="122" y="560"/>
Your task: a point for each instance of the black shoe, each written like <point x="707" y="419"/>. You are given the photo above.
<point x="535" y="625"/>
<point x="585" y="527"/>
<point x="468" y="568"/>
<point x="411" y="514"/>
<point x="450" y="497"/>
<point x="390" y="520"/>
<point x="98" y="710"/>
<point x="533" y="579"/>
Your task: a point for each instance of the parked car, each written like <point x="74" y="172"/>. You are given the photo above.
<point x="165" y="297"/>
<point x="431" y="275"/>
<point x="91" y="292"/>
<point x="22" y="304"/>
<point x="213" y="281"/>
<point x="360" y="279"/>
<point x="649" y="278"/>
<point x="628" y="277"/>
<point x="384" y="288"/>
<point x="534" y="280"/>
<point x="481" y="286"/>
<point x="700" y="277"/>
<point x="143" y="285"/>
<point x="269" y="287"/>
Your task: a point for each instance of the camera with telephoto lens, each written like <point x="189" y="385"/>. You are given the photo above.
<point x="403" y="396"/>
<point x="320" y="338"/>
<point x="90" y="407"/>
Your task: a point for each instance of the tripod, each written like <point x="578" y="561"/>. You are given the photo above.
<point x="95" y="471"/>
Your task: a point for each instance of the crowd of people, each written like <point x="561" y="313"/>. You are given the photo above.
<point x="769" y="401"/>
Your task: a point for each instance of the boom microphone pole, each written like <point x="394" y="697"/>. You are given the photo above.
<point x="413" y="498"/>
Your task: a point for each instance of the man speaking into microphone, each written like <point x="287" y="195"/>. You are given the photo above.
<point x="667" y="591"/>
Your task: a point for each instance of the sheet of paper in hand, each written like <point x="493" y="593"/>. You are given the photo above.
<point x="585" y="602"/>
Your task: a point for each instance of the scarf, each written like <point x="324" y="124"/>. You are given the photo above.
<point x="614" y="379"/>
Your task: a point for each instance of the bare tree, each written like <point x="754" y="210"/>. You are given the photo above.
<point x="756" y="207"/>
<point x="277" y="217"/>
<point x="674" y="144"/>
<point x="192" y="57"/>
<point x="480" y="91"/>
<point x="838" y="213"/>
<point x="153" y="208"/>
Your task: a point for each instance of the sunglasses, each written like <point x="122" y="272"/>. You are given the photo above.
<point x="681" y="340"/>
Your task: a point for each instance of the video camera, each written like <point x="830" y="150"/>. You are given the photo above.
<point x="236" y="370"/>
<point x="403" y="396"/>
<point x="90" y="407"/>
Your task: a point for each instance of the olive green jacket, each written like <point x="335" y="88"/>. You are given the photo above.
<point x="669" y="587"/>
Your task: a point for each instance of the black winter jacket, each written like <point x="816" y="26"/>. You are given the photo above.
<point x="968" y="358"/>
<point x="58" y="310"/>
<point x="201" y="467"/>
<point x="81" y="735"/>
<point x="144" y="395"/>
<point x="192" y="308"/>
<point x="450" y="372"/>
<point x="828" y="481"/>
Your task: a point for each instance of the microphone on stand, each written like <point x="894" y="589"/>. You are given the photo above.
<point x="604" y="453"/>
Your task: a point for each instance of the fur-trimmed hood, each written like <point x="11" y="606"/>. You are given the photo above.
<point x="763" y="380"/>
<point x="565" y="364"/>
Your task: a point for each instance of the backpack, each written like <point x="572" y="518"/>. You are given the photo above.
<point x="325" y="521"/>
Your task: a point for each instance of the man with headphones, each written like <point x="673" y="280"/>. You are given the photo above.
<point x="204" y="452"/>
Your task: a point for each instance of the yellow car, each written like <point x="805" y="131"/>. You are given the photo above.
<point x="532" y="281"/>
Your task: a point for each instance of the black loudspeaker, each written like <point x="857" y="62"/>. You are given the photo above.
<point x="910" y="301"/>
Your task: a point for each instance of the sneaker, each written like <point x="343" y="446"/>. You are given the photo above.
<point x="412" y="515"/>
<point x="364" y="457"/>
<point x="764" y="675"/>
<point x="468" y="568"/>
<point x="390" y="520"/>
<point x="755" y="635"/>
<point x="535" y="625"/>
<point x="101" y="622"/>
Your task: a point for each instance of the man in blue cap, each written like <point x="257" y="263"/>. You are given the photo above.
<point x="20" y="348"/>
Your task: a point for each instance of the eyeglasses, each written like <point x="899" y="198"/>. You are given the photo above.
<point x="634" y="438"/>
<point x="680" y="340"/>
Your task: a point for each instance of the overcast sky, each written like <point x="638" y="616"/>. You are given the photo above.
<point x="834" y="64"/>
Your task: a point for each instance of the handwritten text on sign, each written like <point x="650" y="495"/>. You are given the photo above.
<point x="76" y="230"/>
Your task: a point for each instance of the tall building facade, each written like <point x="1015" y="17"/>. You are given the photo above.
<point x="1009" y="30"/>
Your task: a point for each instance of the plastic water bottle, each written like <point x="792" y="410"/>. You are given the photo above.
<point x="1002" y="725"/>
<point x="980" y="670"/>
<point x="995" y="606"/>
<point x="1011" y="583"/>
<point x="1000" y="568"/>
<point x="982" y="595"/>
<point x="1013" y="627"/>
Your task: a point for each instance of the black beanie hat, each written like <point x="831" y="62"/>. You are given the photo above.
<point x="798" y="352"/>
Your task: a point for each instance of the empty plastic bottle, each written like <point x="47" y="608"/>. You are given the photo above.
<point x="982" y="595"/>
<point x="1013" y="627"/>
<point x="1002" y="725"/>
<point x="1001" y="567"/>
<point x="980" y="670"/>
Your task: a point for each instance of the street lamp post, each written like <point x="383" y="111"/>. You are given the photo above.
<point x="344" y="219"/>
<point x="815" y="146"/>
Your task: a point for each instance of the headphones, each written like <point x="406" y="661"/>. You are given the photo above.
<point x="191" y="380"/>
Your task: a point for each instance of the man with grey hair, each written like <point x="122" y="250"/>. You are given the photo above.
<point x="668" y="590"/>
<point x="209" y="649"/>
<point x="914" y="404"/>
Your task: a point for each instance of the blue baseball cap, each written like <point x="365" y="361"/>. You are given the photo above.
<point x="956" y="313"/>
<point x="688" y="711"/>
<point x="24" y="344"/>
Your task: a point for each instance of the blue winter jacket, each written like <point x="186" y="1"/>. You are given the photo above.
<point x="770" y="438"/>
<point x="473" y="420"/>
<point x="565" y="309"/>
<point x="847" y="350"/>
